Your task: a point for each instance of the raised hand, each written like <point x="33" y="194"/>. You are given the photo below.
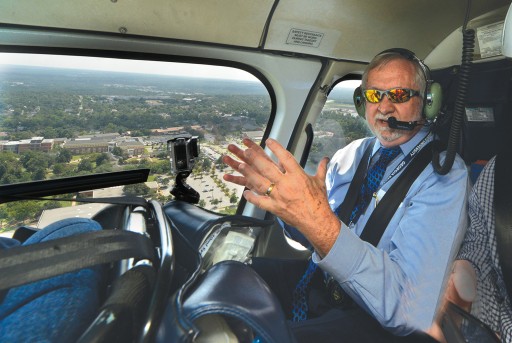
<point x="286" y="190"/>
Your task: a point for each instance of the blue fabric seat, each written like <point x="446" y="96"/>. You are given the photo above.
<point x="58" y="309"/>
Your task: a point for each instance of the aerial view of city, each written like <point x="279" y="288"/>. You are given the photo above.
<point x="57" y="122"/>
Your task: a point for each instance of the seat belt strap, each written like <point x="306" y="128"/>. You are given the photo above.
<point x="383" y="213"/>
<point x="381" y="216"/>
<point x="353" y="190"/>
<point x="24" y="264"/>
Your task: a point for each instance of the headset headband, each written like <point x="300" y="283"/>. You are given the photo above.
<point x="432" y="96"/>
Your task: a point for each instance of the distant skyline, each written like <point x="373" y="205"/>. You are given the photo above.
<point x="131" y="66"/>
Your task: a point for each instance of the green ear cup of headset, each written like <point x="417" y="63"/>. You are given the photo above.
<point x="433" y="102"/>
<point x="359" y="102"/>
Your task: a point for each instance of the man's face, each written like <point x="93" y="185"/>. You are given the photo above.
<point x="394" y="74"/>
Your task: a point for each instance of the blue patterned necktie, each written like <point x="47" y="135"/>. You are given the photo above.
<point x="372" y="181"/>
<point x="369" y="186"/>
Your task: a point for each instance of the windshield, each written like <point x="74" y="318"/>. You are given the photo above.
<point x="65" y="116"/>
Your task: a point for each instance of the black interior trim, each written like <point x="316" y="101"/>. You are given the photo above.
<point x="310" y="135"/>
<point x="74" y="184"/>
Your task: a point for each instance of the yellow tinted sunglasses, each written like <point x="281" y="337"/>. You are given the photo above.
<point x="395" y="95"/>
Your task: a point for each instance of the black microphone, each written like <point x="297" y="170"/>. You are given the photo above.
<point x="402" y="125"/>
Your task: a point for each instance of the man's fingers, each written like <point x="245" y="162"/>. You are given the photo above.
<point x="235" y="150"/>
<point x="239" y="180"/>
<point x="252" y="152"/>
<point x="231" y="162"/>
<point x="250" y="144"/>
<point x="261" y="201"/>
<point x="321" y="170"/>
<point x="250" y="178"/>
<point x="256" y="157"/>
<point x="254" y="180"/>
<point x="249" y="165"/>
<point x="287" y="162"/>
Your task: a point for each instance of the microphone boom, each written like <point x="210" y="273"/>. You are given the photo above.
<point x="402" y="125"/>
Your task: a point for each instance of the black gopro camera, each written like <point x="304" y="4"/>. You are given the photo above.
<point x="183" y="152"/>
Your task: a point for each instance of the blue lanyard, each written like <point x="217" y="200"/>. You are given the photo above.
<point x="408" y="158"/>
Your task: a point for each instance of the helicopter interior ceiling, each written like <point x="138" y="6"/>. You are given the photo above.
<point x="339" y="29"/>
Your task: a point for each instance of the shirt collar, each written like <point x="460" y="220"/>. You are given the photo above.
<point x="409" y="145"/>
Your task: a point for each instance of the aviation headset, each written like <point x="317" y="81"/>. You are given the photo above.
<point x="432" y="95"/>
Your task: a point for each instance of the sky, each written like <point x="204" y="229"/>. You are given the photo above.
<point x="120" y="65"/>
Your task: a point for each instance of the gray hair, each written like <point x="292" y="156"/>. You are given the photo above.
<point x="384" y="58"/>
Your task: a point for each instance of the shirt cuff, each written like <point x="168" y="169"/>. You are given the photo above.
<point x="344" y="257"/>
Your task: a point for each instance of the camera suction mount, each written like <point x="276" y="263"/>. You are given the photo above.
<point x="183" y="152"/>
<point x="182" y="191"/>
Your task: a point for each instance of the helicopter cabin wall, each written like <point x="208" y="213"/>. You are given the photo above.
<point x="487" y="119"/>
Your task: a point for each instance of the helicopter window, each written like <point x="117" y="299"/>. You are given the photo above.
<point x="338" y="124"/>
<point x="64" y="116"/>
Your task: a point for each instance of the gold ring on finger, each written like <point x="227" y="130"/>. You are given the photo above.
<point x="269" y="189"/>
